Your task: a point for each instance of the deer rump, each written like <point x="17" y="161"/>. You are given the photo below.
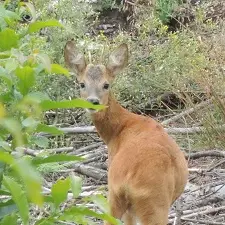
<point x="147" y="174"/>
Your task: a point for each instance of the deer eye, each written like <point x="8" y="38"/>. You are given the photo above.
<point x="82" y="85"/>
<point x="106" y="86"/>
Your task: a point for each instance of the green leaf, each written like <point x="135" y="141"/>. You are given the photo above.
<point x="48" y="129"/>
<point x="59" y="191"/>
<point x="75" y="103"/>
<point x="14" y="128"/>
<point x="38" y="96"/>
<point x="46" y="221"/>
<point x="30" y="122"/>
<point x="40" y="141"/>
<point x="5" y="76"/>
<point x="7" y="208"/>
<point x="45" y="60"/>
<point x="3" y="192"/>
<point x="76" y="184"/>
<point x="9" y="39"/>
<point x="5" y="145"/>
<point x="2" y="169"/>
<point x="32" y="180"/>
<point x="26" y="78"/>
<point x="56" y="68"/>
<point x="9" y="220"/>
<point x="56" y="158"/>
<point x="6" y="14"/>
<point x="101" y="202"/>
<point x="77" y="211"/>
<point x="11" y="65"/>
<point x="18" y="197"/>
<point x="6" y="157"/>
<point x="36" y="26"/>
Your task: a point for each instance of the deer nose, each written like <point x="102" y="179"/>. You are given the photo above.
<point x="93" y="100"/>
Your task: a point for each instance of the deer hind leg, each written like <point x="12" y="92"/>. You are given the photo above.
<point x="148" y="213"/>
<point x="129" y="218"/>
<point x="117" y="206"/>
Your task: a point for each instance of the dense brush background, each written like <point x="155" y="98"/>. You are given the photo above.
<point x="177" y="52"/>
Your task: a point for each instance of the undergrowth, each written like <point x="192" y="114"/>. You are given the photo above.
<point x="188" y="62"/>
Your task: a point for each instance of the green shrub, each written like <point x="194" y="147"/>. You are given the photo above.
<point x="164" y="8"/>
<point x="21" y="111"/>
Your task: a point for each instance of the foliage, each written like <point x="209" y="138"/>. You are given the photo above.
<point x="164" y="8"/>
<point x="21" y="112"/>
<point x="106" y="5"/>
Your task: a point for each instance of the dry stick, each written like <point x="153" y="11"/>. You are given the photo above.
<point x="192" y="130"/>
<point x="90" y="171"/>
<point x="60" y="150"/>
<point x="70" y="195"/>
<point x="89" y="147"/>
<point x="208" y="211"/>
<point x="217" y="153"/>
<point x="186" y="112"/>
<point x="188" y="211"/>
<point x="208" y="186"/>
<point x="26" y="151"/>
<point x="171" y="130"/>
<point x="203" y="221"/>
<point x="198" y="170"/>
<point x="74" y="130"/>
<point x="178" y="212"/>
<point x="216" y="165"/>
<point x="32" y="152"/>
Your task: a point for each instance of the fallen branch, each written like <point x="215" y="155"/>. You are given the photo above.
<point x="208" y="211"/>
<point x="212" y="153"/>
<point x="202" y="221"/>
<point x="90" y="171"/>
<point x="25" y="151"/>
<point x="189" y="211"/>
<point x="86" y="148"/>
<point x="198" y="213"/>
<point x="171" y="130"/>
<point x="192" y="130"/>
<point x="186" y="112"/>
<point x="199" y="170"/>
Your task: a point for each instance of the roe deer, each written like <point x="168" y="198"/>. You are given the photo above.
<point x="147" y="170"/>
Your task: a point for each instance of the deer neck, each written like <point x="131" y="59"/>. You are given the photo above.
<point x="110" y="121"/>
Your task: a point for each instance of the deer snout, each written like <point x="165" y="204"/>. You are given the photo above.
<point x="93" y="100"/>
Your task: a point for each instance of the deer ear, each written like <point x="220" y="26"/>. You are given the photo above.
<point x="73" y="58"/>
<point x="118" y="59"/>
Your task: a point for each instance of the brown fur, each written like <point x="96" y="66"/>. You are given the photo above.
<point x="147" y="170"/>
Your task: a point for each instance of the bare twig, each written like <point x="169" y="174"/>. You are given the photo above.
<point x="216" y="165"/>
<point x="186" y="112"/>
<point x="208" y="211"/>
<point x="90" y="171"/>
<point x="202" y="221"/>
<point x="171" y="130"/>
<point x="87" y="148"/>
<point x="26" y="151"/>
<point x="192" y="130"/>
<point x="200" y="170"/>
<point x="216" y="153"/>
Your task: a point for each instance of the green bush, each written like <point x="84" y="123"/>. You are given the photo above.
<point x="21" y="113"/>
<point x="164" y="8"/>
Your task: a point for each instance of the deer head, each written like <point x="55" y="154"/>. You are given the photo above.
<point x="95" y="80"/>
